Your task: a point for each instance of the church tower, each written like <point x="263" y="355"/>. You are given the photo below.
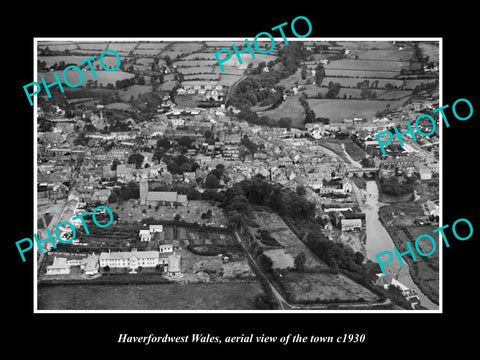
<point x="143" y="191"/>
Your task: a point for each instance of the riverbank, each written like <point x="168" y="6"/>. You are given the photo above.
<point x="425" y="271"/>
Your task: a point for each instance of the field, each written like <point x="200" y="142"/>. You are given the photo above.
<point x="291" y="245"/>
<point x="337" y="110"/>
<point x="135" y="90"/>
<point x="196" y="70"/>
<point x="57" y="45"/>
<point x="98" y="46"/>
<point x="181" y="49"/>
<point x="73" y="77"/>
<point x="431" y="50"/>
<point x="352" y="82"/>
<point x="194" y="63"/>
<point x="289" y="108"/>
<point x="362" y="74"/>
<point x="385" y="55"/>
<point x="147" y="52"/>
<point x="215" y="77"/>
<point x="320" y="287"/>
<point x="122" y="47"/>
<point x="152" y="45"/>
<point x="228" y="80"/>
<point x="212" y="296"/>
<point x="70" y="59"/>
<point x="377" y="65"/>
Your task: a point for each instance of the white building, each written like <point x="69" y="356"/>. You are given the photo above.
<point x="351" y="224"/>
<point x="156" y="228"/>
<point x="174" y="265"/>
<point x="59" y="267"/>
<point x="145" y="235"/>
<point x="131" y="259"/>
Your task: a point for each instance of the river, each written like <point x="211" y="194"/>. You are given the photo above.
<point x="379" y="240"/>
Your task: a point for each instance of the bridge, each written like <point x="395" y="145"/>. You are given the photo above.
<point x="361" y="171"/>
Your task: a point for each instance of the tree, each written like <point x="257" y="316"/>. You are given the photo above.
<point x="136" y="159"/>
<point x="212" y="181"/>
<point x="113" y="198"/>
<point x="265" y="262"/>
<point x="185" y="141"/>
<point x="300" y="190"/>
<point x="299" y="261"/>
<point x="165" y="143"/>
<point x="304" y="73"/>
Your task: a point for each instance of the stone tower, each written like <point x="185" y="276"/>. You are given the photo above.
<point x="143" y="191"/>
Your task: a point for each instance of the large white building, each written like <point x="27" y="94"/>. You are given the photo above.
<point x="130" y="259"/>
<point x="134" y="259"/>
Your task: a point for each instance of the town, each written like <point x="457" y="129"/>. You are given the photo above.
<point x="259" y="187"/>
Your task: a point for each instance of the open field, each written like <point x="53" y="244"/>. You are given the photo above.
<point x="194" y="63"/>
<point x="181" y="49"/>
<point x="430" y="49"/>
<point x="122" y="47"/>
<point x="385" y="55"/>
<point x="362" y="74"/>
<point x="70" y="59"/>
<point x="352" y="82"/>
<point x="289" y="82"/>
<point x="377" y="65"/>
<point x="318" y="287"/>
<point x="147" y="52"/>
<point x="367" y="45"/>
<point x="57" y="46"/>
<point x="227" y="79"/>
<point x="92" y="45"/>
<point x="196" y="70"/>
<point x="152" y="45"/>
<point x="211" y="296"/>
<point x="135" y="90"/>
<point x="336" y="109"/>
<point x="200" y="56"/>
<point x="215" y="77"/>
<point x="73" y="77"/>
<point x="289" y="108"/>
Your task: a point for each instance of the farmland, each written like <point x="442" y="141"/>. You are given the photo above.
<point x="337" y="110"/>
<point x="289" y="108"/>
<point x="73" y="77"/>
<point x="211" y="296"/>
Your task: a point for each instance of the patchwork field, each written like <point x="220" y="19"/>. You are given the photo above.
<point x="73" y="77"/>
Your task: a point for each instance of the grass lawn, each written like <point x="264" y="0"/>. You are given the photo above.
<point x="225" y="296"/>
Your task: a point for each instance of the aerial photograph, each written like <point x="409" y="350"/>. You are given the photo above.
<point x="169" y="185"/>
